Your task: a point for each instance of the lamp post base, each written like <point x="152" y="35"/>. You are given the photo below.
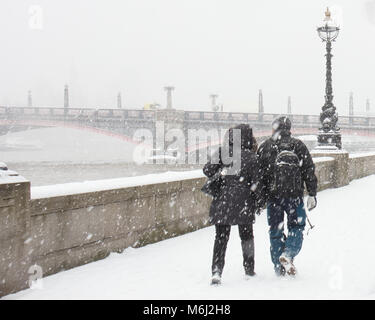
<point x="330" y="140"/>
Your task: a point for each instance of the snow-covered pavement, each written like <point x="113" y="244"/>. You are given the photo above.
<point x="337" y="261"/>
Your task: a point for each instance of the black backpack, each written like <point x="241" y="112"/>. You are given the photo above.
<point x="287" y="178"/>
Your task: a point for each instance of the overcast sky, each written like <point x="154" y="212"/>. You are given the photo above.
<point x="229" y="47"/>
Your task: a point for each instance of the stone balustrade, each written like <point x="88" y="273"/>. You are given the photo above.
<point x="64" y="226"/>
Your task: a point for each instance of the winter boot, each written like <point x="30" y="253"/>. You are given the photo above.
<point x="250" y="273"/>
<point x="248" y="257"/>
<point x="287" y="263"/>
<point x="280" y="270"/>
<point x="216" y="279"/>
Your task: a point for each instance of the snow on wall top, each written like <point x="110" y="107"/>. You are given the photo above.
<point x="359" y="155"/>
<point x="322" y="159"/>
<point x="4" y="179"/>
<point x="110" y="184"/>
<point x="324" y="150"/>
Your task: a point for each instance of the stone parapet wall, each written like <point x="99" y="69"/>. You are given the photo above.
<point x="63" y="230"/>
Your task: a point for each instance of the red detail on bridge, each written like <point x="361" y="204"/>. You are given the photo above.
<point x="258" y="134"/>
<point x="70" y="126"/>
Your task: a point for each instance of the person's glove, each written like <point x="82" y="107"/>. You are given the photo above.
<point x="311" y="203"/>
<point x="260" y="206"/>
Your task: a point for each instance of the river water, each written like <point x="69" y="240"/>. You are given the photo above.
<point x="60" y="155"/>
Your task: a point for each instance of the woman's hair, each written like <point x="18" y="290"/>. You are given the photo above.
<point x="255" y="145"/>
<point x="247" y="139"/>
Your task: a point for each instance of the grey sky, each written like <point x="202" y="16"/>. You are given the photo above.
<point x="229" y="47"/>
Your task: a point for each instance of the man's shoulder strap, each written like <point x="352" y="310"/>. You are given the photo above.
<point x="286" y="145"/>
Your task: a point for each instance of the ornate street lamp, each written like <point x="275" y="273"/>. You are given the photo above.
<point x="329" y="134"/>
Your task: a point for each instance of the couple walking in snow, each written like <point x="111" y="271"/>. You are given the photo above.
<point x="275" y="175"/>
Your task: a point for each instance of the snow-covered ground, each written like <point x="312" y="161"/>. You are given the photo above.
<point x="337" y="261"/>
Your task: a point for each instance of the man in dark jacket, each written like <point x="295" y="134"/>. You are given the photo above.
<point x="236" y="201"/>
<point x="287" y="165"/>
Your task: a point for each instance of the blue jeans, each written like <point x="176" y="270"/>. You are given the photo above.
<point x="296" y="216"/>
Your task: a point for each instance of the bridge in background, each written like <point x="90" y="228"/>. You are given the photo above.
<point x="123" y="123"/>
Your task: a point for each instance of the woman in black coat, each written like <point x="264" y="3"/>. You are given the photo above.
<point x="238" y="199"/>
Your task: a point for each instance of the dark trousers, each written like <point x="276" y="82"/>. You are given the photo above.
<point x="220" y="247"/>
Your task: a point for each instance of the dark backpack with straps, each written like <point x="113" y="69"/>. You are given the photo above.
<point x="287" y="178"/>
